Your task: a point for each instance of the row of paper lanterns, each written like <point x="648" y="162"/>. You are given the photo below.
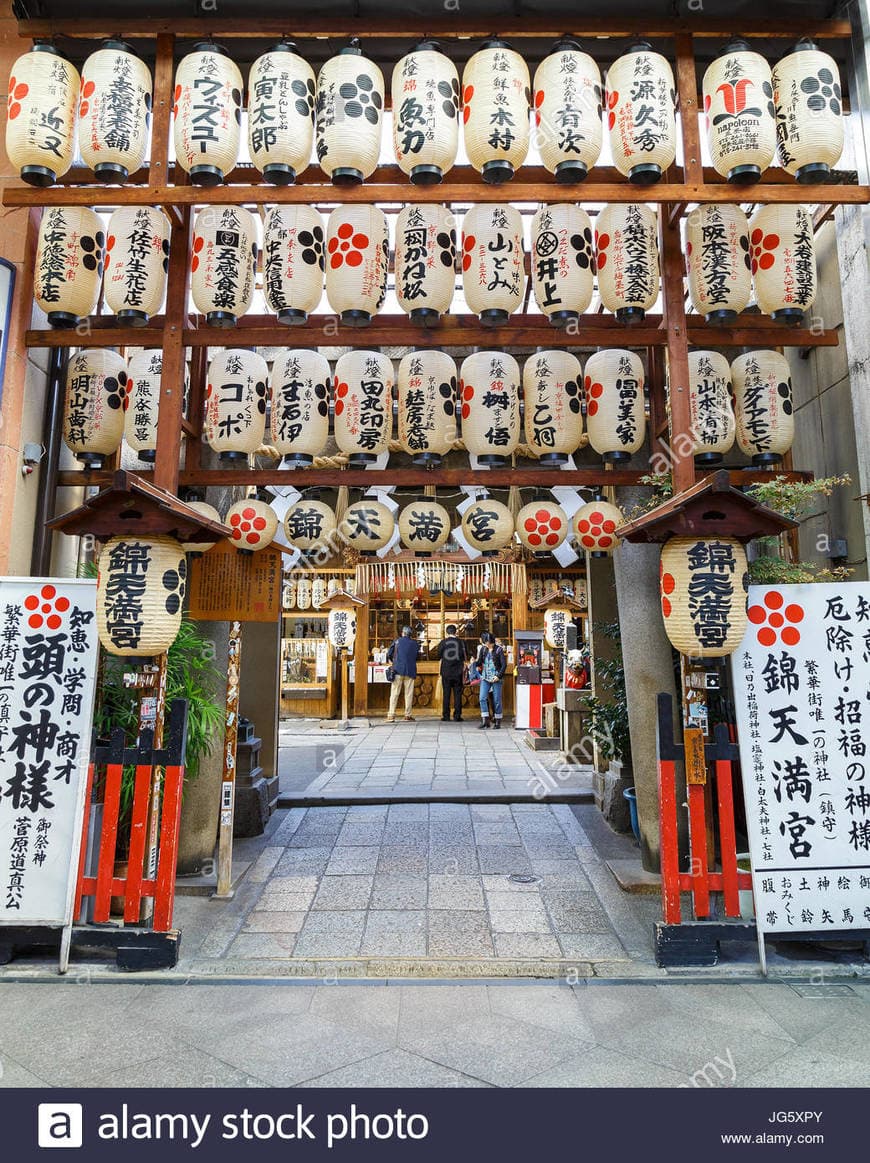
<point x="751" y="112"/>
<point x="727" y="255"/>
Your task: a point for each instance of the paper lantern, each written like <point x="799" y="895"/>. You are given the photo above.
<point x="703" y="588"/>
<point x="627" y="260"/>
<point x="114" y="111"/>
<point x="137" y="262"/>
<point x="496" y="95"/>
<point x="299" y="421"/>
<point x="235" y="403"/>
<point x="289" y="593"/>
<point x="493" y="272"/>
<point x="144" y="371"/>
<point x="783" y="261"/>
<point x="341" y="629"/>
<point x="293" y="262"/>
<point x="363" y="405"/>
<point x="809" y="112"/>
<point x="94" y="406"/>
<point x="318" y="592"/>
<point x="349" y="116"/>
<point x="641" y="115"/>
<point x="488" y="526"/>
<point x="763" y="404"/>
<point x="40" y="115"/>
<point x="542" y="526"/>
<point x="205" y="510"/>
<point x="224" y="263"/>
<point x="424" y="526"/>
<point x="595" y="526"/>
<point x="281" y="92"/>
<point x="141" y="582"/>
<point x="68" y="270"/>
<point x="309" y="525"/>
<point x="554" y="417"/>
<point x="254" y="525"/>
<point x="718" y="262"/>
<point x="426" y="102"/>
<point x="427" y="406"/>
<point x="367" y="526"/>
<point x="740" y="114"/>
<point x="489" y="391"/>
<point x="357" y="260"/>
<point x="207" y="113"/>
<point x="303" y="594"/>
<point x="567" y="104"/>
<point x="615" y="418"/>
<point x="556" y="622"/>
<point x="710" y="406"/>
<point x="425" y="262"/>
<point x="563" y="262"/>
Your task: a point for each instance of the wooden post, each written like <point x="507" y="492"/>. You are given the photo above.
<point x="224" y="890"/>
<point x="361" y="663"/>
<point x="674" y="305"/>
<point x="154" y="803"/>
<point x="345" y="686"/>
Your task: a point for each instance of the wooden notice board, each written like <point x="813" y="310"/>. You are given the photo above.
<point x="226" y="585"/>
<point x="696" y="764"/>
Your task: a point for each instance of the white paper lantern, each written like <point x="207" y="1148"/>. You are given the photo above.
<point x="68" y="271"/>
<point x="357" y="260"/>
<point x="496" y="95"/>
<point x="137" y="263"/>
<point x="309" y="525"/>
<point x="363" y="405"/>
<point x="427" y="406"/>
<point x="567" y="104"/>
<point x="809" y="112"/>
<point x="425" y="262"/>
<point x="615" y="418"/>
<point x="207" y="113"/>
<point x="341" y="629"/>
<point x="489" y="390"/>
<point x="224" y="263"/>
<point x="641" y="115"/>
<point x="627" y="260"/>
<point x="763" y="405"/>
<point x="718" y="262"/>
<point x="703" y="589"/>
<point x="281" y="92"/>
<point x="553" y="405"/>
<point x="367" y="526"/>
<point x="94" y="405"/>
<point x="144" y="371"/>
<point x="40" y="115"/>
<point x="710" y="406"/>
<point x="542" y="526"/>
<point x="493" y="271"/>
<point x="426" y="103"/>
<point x="205" y="510"/>
<point x="300" y="405"/>
<point x="254" y="525"/>
<point x="563" y="262"/>
<point x="740" y="114"/>
<point x="595" y="526"/>
<point x="349" y="116"/>
<point x="235" y="403"/>
<point x="488" y="526"/>
<point x="556" y="622"/>
<point x="424" y="526"/>
<point x="783" y="261"/>
<point x="293" y="262"/>
<point x="141" y="582"/>
<point x="114" y="111"/>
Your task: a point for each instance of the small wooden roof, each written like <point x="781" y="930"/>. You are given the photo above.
<point x="341" y="600"/>
<point x="556" y="601"/>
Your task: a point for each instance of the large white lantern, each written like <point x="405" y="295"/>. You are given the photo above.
<point x="427" y="406"/>
<point x="542" y="526"/>
<point x="703" y="590"/>
<point x="425" y="262"/>
<point x="349" y="116"/>
<point x="426" y="103"/>
<point x="144" y="372"/>
<point x="235" y="403"/>
<point x="141" y="582"/>
<point x="94" y="405"/>
<point x="424" y="526"/>
<point x="641" y="114"/>
<point x="114" y="111"/>
<point x="207" y="113"/>
<point x="718" y="261"/>
<point x="254" y="524"/>
<point x="357" y="260"/>
<point x="40" y="115"/>
<point x="741" y="118"/>
<point x="363" y="405"/>
<point x="563" y="262"/>
<point x="367" y="526"/>
<point x="281" y="93"/>
<point x="627" y="260"/>
<point x="567" y="106"/>
<point x="299" y="419"/>
<point x="293" y="262"/>
<point x="763" y="404"/>
<point x="809" y="112"/>
<point x="137" y="263"/>
<point x="615" y="416"/>
<point x="710" y="406"/>
<point x="496" y="95"/>
<point x="493" y="272"/>
<point x="309" y="525"/>
<point x="224" y="263"/>
<point x="489" y="391"/>
<point x="68" y="271"/>
<point x="488" y="526"/>
<point x="783" y="261"/>
<point x="553" y="405"/>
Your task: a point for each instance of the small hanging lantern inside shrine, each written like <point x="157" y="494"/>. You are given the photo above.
<point x="224" y="263"/>
<point x="741" y="117"/>
<point x="341" y="629"/>
<point x="718" y="262"/>
<point x="493" y="272"/>
<point x="710" y="406"/>
<point x="595" y="526"/>
<point x="235" y="403"/>
<point x="299" y="421"/>
<point x="309" y="525"/>
<point x="641" y="114"/>
<point x="627" y="260"/>
<point x="496" y="94"/>
<point x="553" y="405"/>
<point x="198" y="548"/>
<point x="367" y="526"/>
<point x="363" y="405"/>
<point x="425" y="262"/>
<point x="207" y="113"/>
<point x="426" y="103"/>
<point x="144" y="370"/>
<point x="783" y="261"/>
<point x="763" y="405"/>
<point x="424" y="526"/>
<point x="809" y="112"/>
<point x="615" y="417"/>
<point x="68" y="270"/>
<point x="357" y="259"/>
<point x="281" y="92"/>
<point x="137" y="263"/>
<point x="349" y="116"/>
<point x="293" y="262"/>
<point x="542" y="526"/>
<point x="567" y="104"/>
<point x="563" y="262"/>
<point x="94" y="406"/>
<point x="114" y="111"/>
<point x="703" y="588"/>
<point x="40" y="115"/>
<point x="140" y="591"/>
<point x="427" y="406"/>
<point x="557" y="619"/>
<point x="488" y="526"/>
<point x="254" y="524"/>
<point x="489" y="394"/>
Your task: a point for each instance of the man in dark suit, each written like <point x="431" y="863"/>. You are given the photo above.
<point x="451" y="652"/>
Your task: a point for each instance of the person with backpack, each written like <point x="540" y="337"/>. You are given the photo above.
<point x="491" y="663"/>
<point x="451" y="653"/>
<point x="403" y="654"/>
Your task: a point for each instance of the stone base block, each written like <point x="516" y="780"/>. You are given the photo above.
<point x="607" y="787"/>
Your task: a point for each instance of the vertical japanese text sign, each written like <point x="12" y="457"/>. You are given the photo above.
<point x="48" y="664"/>
<point x="802" y="687"/>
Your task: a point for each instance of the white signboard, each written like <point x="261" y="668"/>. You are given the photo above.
<point x="802" y="688"/>
<point x="48" y="663"/>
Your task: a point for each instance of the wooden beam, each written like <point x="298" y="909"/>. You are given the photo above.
<point x="687" y="91"/>
<point x="170" y="413"/>
<point x="164" y="80"/>
<point x="673" y="302"/>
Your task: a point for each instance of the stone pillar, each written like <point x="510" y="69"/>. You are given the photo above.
<point x="259" y="696"/>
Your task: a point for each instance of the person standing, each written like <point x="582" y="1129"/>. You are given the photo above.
<point x="403" y="654"/>
<point x="451" y="652"/>
<point x="492" y="664"/>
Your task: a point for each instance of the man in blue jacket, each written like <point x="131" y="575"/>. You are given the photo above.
<point x="403" y="654"/>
